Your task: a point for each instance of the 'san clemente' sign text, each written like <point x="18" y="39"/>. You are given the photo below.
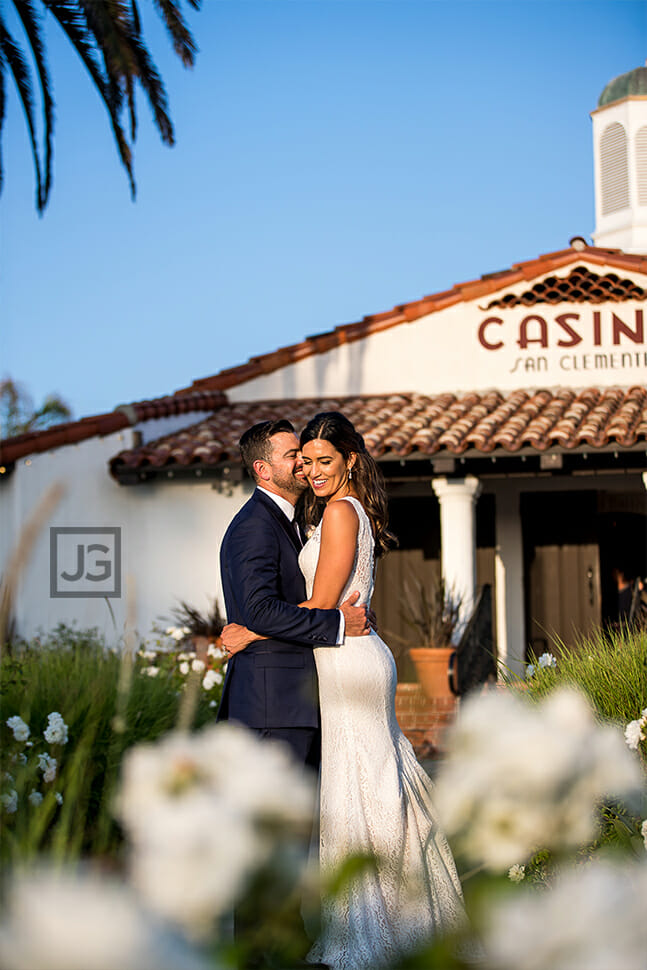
<point x="577" y="340"/>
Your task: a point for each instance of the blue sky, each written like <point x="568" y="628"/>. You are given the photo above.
<point x="333" y="159"/>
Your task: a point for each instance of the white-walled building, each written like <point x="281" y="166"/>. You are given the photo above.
<point x="508" y="413"/>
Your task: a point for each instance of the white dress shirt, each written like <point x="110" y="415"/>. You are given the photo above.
<point x="288" y="510"/>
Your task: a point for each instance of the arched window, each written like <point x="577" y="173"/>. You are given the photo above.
<point x="641" y="164"/>
<point x="614" y="169"/>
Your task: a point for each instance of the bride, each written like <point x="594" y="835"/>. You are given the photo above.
<point x="375" y="797"/>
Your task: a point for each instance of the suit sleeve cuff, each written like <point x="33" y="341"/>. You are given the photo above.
<point x="342" y="628"/>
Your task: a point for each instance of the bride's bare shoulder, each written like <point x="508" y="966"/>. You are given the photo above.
<point x="340" y="515"/>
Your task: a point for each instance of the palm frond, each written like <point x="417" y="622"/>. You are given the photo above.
<point x="152" y="84"/>
<point x="71" y="20"/>
<point x="17" y="412"/>
<point x="3" y="103"/>
<point x="15" y="407"/>
<point x="181" y="37"/>
<point x="112" y="27"/>
<point x="51" y="411"/>
<point x="134" y="13"/>
<point x="107" y="36"/>
<point x="33" y="30"/>
<point x="13" y="57"/>
<point x="125" y="56"/>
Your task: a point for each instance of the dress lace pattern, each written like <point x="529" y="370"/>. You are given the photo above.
<point x="375" y="798"/>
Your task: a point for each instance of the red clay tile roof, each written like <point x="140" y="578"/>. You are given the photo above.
<point x="398" y="425"/>
<point x="205" y="394"/>
<point x="71" y="432"/>
<point x="546" y="265"/>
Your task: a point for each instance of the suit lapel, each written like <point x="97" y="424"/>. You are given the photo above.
<point x="280" y="516"/>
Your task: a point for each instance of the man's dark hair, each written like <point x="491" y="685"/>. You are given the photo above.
<point x="255" y="442"/>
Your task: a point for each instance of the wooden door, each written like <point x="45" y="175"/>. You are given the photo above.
<point x="564" y="594"/>
<point x="395" y="572"/>
<point x="402" y="568"/>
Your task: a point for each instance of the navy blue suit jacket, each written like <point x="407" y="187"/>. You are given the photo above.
<point x="272" y="683"/>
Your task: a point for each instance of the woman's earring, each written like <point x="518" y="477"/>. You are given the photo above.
<point x="350" y="474"/>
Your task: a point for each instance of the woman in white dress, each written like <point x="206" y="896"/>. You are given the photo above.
<point x="375" y="797"/>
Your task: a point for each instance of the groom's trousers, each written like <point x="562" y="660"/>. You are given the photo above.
<point x="305" y="743"/>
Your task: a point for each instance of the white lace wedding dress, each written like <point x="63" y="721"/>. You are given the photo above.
<point x="375" y="798"/>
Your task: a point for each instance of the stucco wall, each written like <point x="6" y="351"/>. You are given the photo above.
<point x="470" y="348"/>
<point x="170" y="534"/>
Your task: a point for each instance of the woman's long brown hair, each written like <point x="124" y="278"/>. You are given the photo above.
<point x="334" y="427"/>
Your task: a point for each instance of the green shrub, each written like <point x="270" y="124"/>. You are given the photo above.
<point x="108" y="705"/>
<point x="610" y="667"/>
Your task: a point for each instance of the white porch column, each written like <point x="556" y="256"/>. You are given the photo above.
<point x="508" y="573"/>
<point x="457" y="498"/>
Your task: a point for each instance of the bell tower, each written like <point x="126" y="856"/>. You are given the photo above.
<point x="620" y="163"/>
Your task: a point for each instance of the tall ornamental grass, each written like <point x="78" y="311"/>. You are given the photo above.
<point x="217" y="818"/>
<point x="108" y="701"/>
<point x="609" y="666"/>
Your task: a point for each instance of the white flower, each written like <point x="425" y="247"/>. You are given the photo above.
<point x="184" y="668"/>
<point x="56" y="730"/>
<point x="211" y="678"/>
<point x="530" y="670"/>
<point x="185" y="656"/>
<point x="19" y="728"/>
<point x="197" y="807"/>
<point x="643" y="832"/>
<point x="203" y="868"/>
<point x="634" y="735"/>
<point x="213" y="703"/>
<point x="34" y="797"/>
<point x="520" y="776"/>
<point x="151" y="671"/>
<point x="198" y="665"/>
<point x="19" y="759"/>
<point x="215" y="651"/>
<point x="547" y="660"/>
<point x="592" y="917"/>
<point x="178" y="633"/>
<point x="71" y="921"/>
<point x="9" y="801"/>
<point x="147" y="654"/>
<point x="48" y="766"/>
<point x="58" y="797"/>
<point x="9" y="777"/>
<point x="516" y="873"/>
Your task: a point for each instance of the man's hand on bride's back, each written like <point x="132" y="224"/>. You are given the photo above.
<point x="236" y="637"/>
<point x="355" y="617"/>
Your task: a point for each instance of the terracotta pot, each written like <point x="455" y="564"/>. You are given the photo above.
<point x="201" y="645"/>
<point x="432" y="668"/>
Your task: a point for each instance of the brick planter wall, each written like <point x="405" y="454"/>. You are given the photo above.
<point x="422" y="720"/>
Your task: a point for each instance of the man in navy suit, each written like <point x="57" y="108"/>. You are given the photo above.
<point x="271" y="686"/>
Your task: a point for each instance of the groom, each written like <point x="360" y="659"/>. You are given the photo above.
<point x="271" y="686"/>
